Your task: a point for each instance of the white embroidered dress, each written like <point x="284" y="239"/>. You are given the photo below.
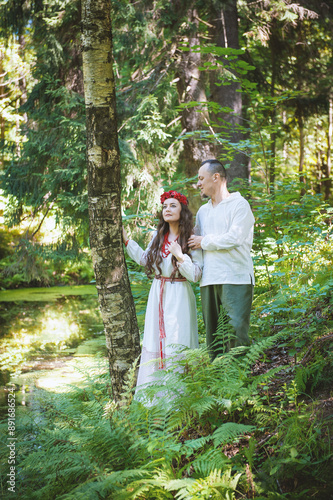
<point x="179" y="310"/>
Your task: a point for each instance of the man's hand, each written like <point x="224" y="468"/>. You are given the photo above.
<point x="194" y="242"/>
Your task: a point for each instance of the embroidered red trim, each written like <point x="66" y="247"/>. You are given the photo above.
<point x="165" y="247"/>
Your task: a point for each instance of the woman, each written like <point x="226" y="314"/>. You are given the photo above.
<point x="171" y="316"/>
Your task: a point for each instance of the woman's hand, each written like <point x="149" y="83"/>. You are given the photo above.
<point x="176" y="250"/>
<point x="125" y="237"/>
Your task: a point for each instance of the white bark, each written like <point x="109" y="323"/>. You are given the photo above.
<point x="116" y="301"/>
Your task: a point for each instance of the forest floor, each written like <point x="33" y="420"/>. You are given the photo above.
<point x="318" y="405"/>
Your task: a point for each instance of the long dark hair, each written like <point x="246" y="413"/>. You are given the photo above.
<point x="154" y="255"/>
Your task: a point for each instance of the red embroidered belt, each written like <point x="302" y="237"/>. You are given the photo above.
<point x="163" y="279"/>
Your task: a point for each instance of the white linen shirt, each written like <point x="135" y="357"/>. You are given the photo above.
<point x="227" y="231"/>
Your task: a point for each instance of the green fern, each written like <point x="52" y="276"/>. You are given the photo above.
<point x="229" y="431"/>
<point x="217" y="484"/>
<point x="129" y="384"/>
<point x="225" y="334"/>
<point x="85" y="446"/>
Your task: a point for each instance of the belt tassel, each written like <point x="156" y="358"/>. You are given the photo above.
<point x="162" y="335"/>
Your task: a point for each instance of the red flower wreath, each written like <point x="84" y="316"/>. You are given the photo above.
<point x="174" y="194"/>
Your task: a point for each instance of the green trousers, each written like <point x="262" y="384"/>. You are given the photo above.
<point x="236" y="300"/>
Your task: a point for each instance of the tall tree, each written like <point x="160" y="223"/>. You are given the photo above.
<point x="116" y="301"/>
<point x="48" y="174"/>
<point x="289" y="44"/>
<point x="191" y="87"/>
<point x="2" y="119"/>
<point x="225" y="34"/>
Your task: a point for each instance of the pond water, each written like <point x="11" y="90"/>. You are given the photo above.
<point x="46" y="335"/>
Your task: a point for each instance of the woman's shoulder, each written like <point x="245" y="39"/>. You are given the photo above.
<point x="150" y="235"/>
<point x="153" y="235"/>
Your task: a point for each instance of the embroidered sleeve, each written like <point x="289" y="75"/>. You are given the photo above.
<point x="192" y="269"/>
<point x="137" y="253"/>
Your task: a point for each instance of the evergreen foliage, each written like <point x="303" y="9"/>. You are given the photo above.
<point x="45" y="177"/>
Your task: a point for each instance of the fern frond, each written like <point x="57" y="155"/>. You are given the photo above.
<point x="264" y="378"/>
<point x="192" y="445"/>
<point x="257" y="349"/>
<point x="225" y="333"/>
<point x="129" y="384"/>
<point x="108" y="485"/>
<point x="204" y="405"/>
<point x="210" y="460"/>
<point x="215" y="485"/>
<point x="229" y="432"/>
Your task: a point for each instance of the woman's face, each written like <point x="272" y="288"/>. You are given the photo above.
<point x="171" y="210"/>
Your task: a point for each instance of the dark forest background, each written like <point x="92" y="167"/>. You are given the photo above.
<point x="260" y="71"/>
<point x="250" y="83"/>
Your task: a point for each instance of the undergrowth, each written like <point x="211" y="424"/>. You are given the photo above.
<point x="253" y="423"/>
<point x="207" y="430"/>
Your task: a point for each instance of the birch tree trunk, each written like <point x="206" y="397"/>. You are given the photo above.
<point x="115" y="298"/>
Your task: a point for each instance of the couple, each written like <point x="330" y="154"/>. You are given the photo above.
<point x="218" y="254"/>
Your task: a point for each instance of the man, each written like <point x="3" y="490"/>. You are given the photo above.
<point x="224" y="231"/>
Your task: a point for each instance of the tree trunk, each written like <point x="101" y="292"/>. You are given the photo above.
<point x="191" y="88"/>
<point x="273" y="46"/>
<point x="225" y="34"/>
<point x="2" y="119"/>
<point x="300" y="120"/>
<point x="116" y="301"/>
<point x="329" y="149"/>
<point x="299" y="106"/>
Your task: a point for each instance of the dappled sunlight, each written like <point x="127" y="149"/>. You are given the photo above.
<point x="53" y="328"/>
<point x="51" y="231"/>
<point x="57" y="327"/>
<point x="73" y="373"/>
<point x="2" y="206"/>
<point x="37" y="332"/>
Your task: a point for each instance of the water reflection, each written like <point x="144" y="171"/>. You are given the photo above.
<point x="43" y="335"/>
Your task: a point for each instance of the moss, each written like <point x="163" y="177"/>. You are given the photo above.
<point x="45" y="294"/>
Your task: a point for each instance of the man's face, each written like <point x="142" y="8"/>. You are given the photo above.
<point x="206" y="182"/>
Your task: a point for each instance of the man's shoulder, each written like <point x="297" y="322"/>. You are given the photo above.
<point x="238" y="199"/>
